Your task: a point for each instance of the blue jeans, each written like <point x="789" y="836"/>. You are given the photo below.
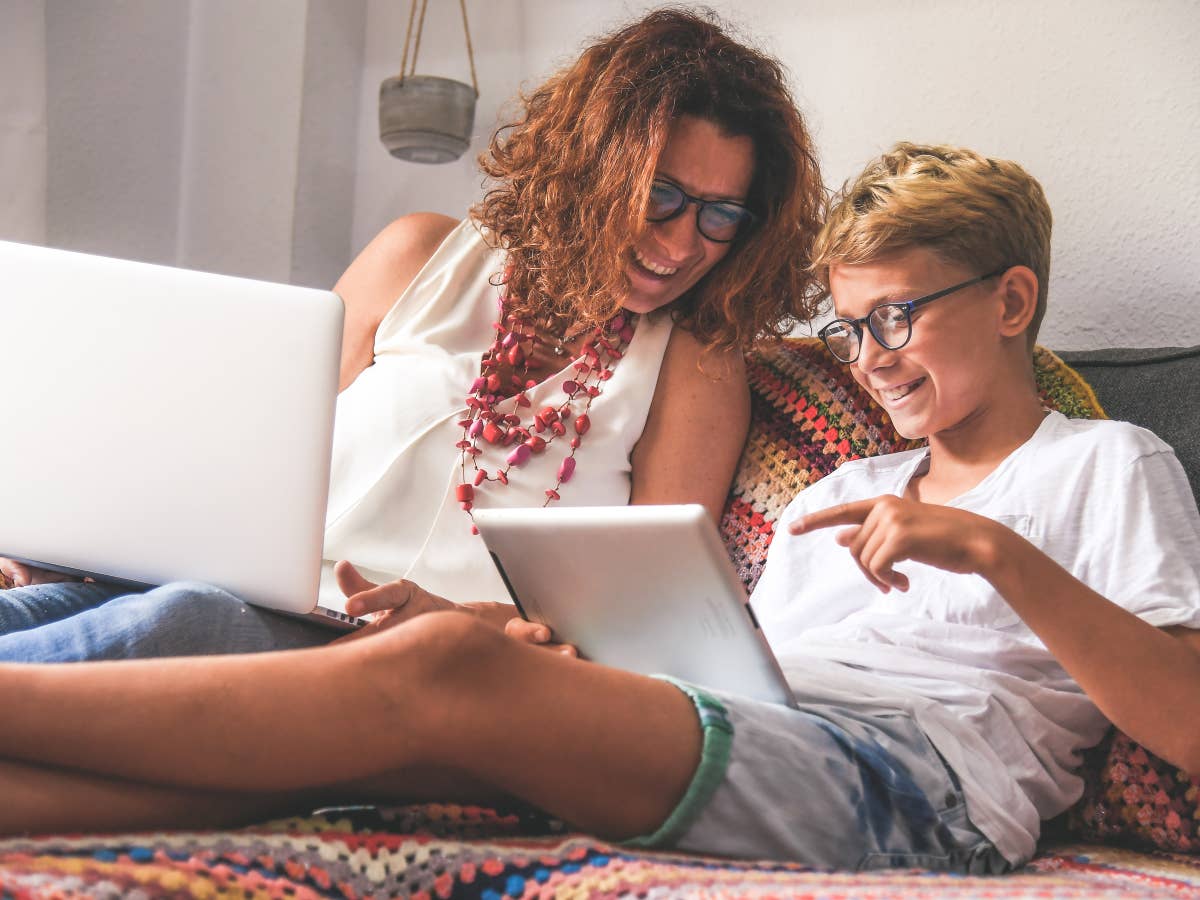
<point x="73" y="622"/>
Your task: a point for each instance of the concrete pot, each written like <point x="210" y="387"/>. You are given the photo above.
<point x="426" y="119"/>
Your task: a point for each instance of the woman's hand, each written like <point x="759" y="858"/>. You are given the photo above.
<point x="886" y="530"/>
<point x="20" y="575"/>
<point x="536" y="633"/>
<point x="388" y="605"/>
<point x="396" y="602"/>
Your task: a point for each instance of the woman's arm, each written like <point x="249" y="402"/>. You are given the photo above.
<point x="695" y="429"/>
<point x="377" y="278"/>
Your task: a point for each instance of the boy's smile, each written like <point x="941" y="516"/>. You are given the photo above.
<point x="939" y="380"/>
<point x="894" y="395"/>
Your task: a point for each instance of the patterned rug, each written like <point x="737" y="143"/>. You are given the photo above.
<point x="437" y="851"/>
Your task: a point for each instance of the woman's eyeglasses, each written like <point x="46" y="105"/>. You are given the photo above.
<point x="717" y="220"/>
<point x="889" y="323"/>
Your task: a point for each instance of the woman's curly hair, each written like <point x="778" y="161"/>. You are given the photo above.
<point x="573" y="180"/>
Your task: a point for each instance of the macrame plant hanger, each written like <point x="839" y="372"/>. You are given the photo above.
<point x="425" y="118"/>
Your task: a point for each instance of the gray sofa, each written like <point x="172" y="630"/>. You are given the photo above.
<point x="1158" y="389"/>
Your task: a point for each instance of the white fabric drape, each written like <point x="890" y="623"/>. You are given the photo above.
<point x="23" y="121"/>
<point x="210" y="134"/>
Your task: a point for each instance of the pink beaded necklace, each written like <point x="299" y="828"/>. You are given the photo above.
<point x="603" y="347"/>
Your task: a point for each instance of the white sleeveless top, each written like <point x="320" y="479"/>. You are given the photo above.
<point x="392" y="507"/>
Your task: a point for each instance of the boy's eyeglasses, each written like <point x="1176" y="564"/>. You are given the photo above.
<point x="717" y="220"/>
<point x="889" y="323"/>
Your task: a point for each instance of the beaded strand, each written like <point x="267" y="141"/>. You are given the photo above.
<point x="604" y="347"/>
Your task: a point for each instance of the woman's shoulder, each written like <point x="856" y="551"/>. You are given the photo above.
<point x="695" y="377"/>
<point x="412" y="239"/>
<point x="386" y="266"/>
<point x="688" y="354"/>
<point x="396" y="254"/>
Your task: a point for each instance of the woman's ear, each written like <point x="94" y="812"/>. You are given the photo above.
<point x="1018" y="288"/>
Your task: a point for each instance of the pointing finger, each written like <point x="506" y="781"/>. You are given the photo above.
<point x="843" y="514"/>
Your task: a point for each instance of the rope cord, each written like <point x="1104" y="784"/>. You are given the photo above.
<point x="462" y="4"/>
<point x="405" y="71"/>
<point x="420" y="30"/>
<point x="412" y="12"/>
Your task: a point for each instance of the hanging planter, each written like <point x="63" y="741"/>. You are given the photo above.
<point x="424" y="118"/>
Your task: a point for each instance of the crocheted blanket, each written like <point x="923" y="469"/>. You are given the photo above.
<point x="808" y="418"/>
<point x="435" y="851"/>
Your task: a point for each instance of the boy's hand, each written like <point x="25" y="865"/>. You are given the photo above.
<point x="887" y="530"/>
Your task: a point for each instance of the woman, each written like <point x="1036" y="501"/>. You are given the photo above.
<point x="649" y="218"/>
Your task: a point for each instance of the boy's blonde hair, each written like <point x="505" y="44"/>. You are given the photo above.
<point x="978" y="212"/>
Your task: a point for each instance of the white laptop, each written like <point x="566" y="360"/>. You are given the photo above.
<point x="164" y="425"/>
<point x="649" y="589"/>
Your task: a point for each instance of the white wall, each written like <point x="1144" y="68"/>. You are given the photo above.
<point x="327" y="151"/>
<point x="242" y="137"/>
<point x="23" y="121"/>
<point x="213" y="134"/>
<point x="387" y="187"/>
<point x="1099" y="99"/>
<point x="114" y="106"/>
<point x="245" y="74"/>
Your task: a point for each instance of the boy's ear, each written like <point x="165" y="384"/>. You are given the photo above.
<point x="1019" y="291"/>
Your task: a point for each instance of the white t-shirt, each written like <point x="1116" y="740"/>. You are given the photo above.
<point x="1106" y="500"/>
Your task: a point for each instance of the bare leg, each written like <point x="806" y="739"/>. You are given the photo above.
<point x="41" y="800"/>
<point x="608" y="751"/>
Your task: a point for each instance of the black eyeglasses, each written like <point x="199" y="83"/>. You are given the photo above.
<point x="889" y="323"/>
<point x="717" y="220"/>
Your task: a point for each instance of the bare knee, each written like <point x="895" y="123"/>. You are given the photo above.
<point x="441" y="653"/>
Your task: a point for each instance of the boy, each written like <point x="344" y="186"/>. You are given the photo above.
<point x="1032" y="577"/>
<point x="940" y="614"/>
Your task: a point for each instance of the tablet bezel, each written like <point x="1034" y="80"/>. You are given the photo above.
<point x="649" y="589"/>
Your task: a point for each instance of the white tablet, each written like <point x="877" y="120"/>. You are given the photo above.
<point x="649" y="589"/>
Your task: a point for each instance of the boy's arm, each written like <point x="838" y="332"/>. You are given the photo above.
<point x="1146" y="680"/>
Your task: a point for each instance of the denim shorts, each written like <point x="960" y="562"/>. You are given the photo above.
<point x="822" y="786"/>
